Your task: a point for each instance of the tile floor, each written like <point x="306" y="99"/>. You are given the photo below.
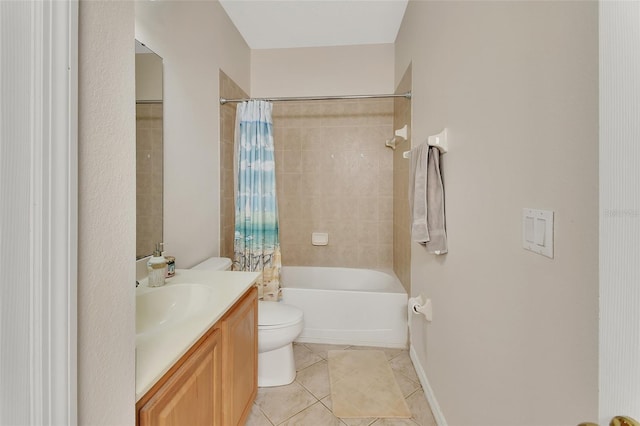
<point x="307" y="401"/>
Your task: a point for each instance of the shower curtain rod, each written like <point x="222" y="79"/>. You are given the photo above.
<point x="318" y="98"/>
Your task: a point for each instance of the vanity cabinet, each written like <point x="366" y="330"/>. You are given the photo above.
<point x="240" y="360"/>
<point x="192" y="394"/>
<point x="216" y="381"/>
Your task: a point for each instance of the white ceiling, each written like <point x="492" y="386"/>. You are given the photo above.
<point x="272" y="24"/>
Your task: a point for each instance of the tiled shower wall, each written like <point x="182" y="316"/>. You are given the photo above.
<point x="149" y="178"/>
<point x="230" y="90"/>
<point x="335" y="175"/>
<point x="401" y="218"/>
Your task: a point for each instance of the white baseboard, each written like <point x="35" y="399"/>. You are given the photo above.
<point x="428" y="392"/>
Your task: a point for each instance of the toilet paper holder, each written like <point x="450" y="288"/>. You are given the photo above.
<point x="419" y="306"/>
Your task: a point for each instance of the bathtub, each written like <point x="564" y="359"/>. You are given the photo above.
<point x="347" y="306"/>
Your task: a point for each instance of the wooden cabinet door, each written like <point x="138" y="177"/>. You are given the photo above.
<point x="240" y="359"/>
<point x="192" y="395"/>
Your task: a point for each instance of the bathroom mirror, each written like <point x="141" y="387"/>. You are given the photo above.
<point x="149" y="150"/>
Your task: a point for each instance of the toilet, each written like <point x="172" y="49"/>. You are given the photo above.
<point x="278" y="325"/>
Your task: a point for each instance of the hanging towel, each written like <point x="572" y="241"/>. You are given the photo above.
<point x="435" y="205"/>
<point x="418" y="194"/>
<point x="426" y="199"/>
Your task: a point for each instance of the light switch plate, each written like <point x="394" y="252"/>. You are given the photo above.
<point x="537" y="231"/>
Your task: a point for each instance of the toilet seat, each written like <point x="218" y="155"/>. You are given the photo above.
<point x="275" y="315"/>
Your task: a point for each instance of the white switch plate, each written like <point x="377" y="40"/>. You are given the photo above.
<point x="537" y="231"/>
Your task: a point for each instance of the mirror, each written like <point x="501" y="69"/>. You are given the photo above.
<point x="149" y="150"/>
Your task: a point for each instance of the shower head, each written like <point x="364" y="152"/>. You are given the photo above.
<point x="400" y="136"/>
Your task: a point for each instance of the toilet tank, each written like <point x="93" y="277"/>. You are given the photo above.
<point x="215" y="264"/>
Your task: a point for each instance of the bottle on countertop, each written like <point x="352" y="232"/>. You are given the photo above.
<point x="171" y="266"/>
<point x="156" y="267"/>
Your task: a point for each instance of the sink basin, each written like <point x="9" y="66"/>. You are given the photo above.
<point x="162" y="306"/>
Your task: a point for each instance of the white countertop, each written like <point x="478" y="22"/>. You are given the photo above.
<point x="157" y="351"/>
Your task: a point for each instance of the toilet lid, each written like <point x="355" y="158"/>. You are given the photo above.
<point x="214" y="264"/>
<point x="276" y="313"/>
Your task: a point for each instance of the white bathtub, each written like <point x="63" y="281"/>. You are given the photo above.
<point x="347" y="306"/>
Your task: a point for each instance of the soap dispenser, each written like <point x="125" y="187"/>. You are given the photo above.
<point x="156" y="267"/>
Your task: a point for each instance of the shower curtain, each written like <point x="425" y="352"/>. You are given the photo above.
<point x="256" y="242"/>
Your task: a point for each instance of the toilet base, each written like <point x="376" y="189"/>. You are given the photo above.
<point x="276" y="367"/>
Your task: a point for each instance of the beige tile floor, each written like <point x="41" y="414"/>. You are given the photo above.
<point x="307" y="401"/>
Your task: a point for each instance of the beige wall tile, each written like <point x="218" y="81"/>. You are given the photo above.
<point x="367" y="232"/>
<point x="228" y="89"/>
<point x="149" y="180"/>
<point x="385" y="208"/>
<point x="385" y="255"/>
<point x="292" y="161"/>
<point x="330" y="162"/>
<point x="398" y="209"/>
<point x="341" y="147"/>
<point x="385" y="232"/>
<point x="367" y="208"/>
<point x="289" y="139"/>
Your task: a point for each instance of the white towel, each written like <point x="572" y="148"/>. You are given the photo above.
<point x="426" y="199"/>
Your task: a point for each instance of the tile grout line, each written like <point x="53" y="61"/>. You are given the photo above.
<point x="304" y="409"/>
<point x="293" y="415"/>
<point x="264" y="414"/>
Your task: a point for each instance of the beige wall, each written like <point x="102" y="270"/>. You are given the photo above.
<point x="311" y="71"/>
<point x="335" y="175"/>
<point x="196" y="39"/>
<point x="514" y="338"/>
<point x="401" y="218"/>
<point x="106" y="214"/>
<point x="106" y="175"/>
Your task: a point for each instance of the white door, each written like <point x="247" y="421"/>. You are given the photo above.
<point x="38" y="199"/>
<point x="619" y="334"/>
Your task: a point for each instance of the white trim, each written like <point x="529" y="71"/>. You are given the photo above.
<point x="62" y="209"/>
<point x="428" y="392"/>
<point x="38" y="212"/>
<point x="40" y="124"/>
<point x="72" y="255"/>
<point x="54" y="215"/>
<point x="66" y="410"/>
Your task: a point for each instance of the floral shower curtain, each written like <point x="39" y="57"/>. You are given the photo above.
<point x="256" y="243"/>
